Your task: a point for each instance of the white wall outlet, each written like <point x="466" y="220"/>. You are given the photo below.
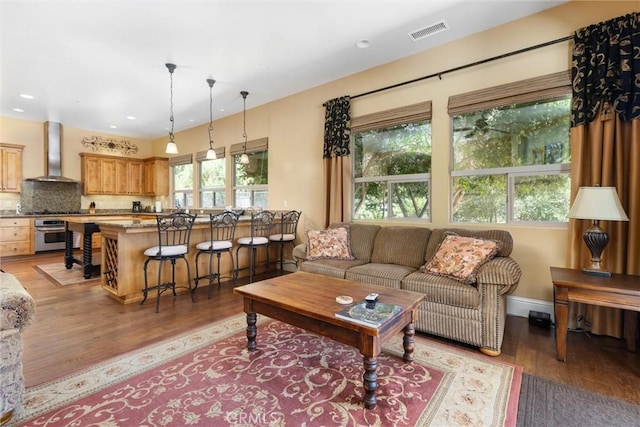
<point x="285" y="204"/>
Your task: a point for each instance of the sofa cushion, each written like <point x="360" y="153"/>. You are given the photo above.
<point x="389" y="275"/>
<point x="401" y="245"/>
<point x="331" y="243"/>
<point x="330" y="267"/>
<point x="362" y="238"/>
<point x="460" y="257"/>
<point x="438" y="235"/>
<point x="442" y="290"/>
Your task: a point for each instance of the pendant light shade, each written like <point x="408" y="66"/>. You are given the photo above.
<point x="211" y="153"/>
<point x="244" y="159"/>
<point x="172" y="148"/>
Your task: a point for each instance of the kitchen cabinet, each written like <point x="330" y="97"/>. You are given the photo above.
<point x="156" y="176"/>
<point x="16" y="237"/>
<point x="116" y="175"/>
<point x="129" y="177"/>
<point x="98" y="174"/>
<point x="10" y="168"/>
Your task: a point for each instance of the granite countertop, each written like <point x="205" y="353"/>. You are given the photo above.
<point x="151" y="223"/>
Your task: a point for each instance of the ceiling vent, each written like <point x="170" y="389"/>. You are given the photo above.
<point x="429" y="30"/>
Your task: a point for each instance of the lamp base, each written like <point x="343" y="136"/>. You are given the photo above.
<point x="596" y="272"/>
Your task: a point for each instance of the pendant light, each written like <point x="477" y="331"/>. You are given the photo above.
<point x="244" y="159"/>
<point x="211" y="153"/>
<point x="172" y="148"/>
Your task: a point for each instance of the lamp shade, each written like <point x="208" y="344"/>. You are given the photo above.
<point x="598" y="203"/>
<point x="172" y="148"/>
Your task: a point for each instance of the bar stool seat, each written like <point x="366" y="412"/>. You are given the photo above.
<point x="261" y="224"/>
<point x="222" y="229"/>
<point x="174" y="232"/>
<point x="285" y="233"/>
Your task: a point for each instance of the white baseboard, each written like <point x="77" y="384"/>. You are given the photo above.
<point x="519" y="306"/>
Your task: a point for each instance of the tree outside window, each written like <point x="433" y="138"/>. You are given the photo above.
<point x="182" y="176"/>
<point x="392" y="172"/>
<point x="212" y="183"/>
<point x="251" y="180"/>
<point x="512" y="163"/>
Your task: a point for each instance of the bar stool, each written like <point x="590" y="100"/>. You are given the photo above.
<point x="261" y="224"/>
<point x="174" y="231"/>
<point x="286" y="233"/>
<point x="222" y="228"/>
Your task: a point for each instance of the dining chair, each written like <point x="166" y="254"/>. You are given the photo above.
<point x="260" y="229"/>
<point x="285" y="233"/>
<point x="174" y="232"/>
<point x="222" y="228"/>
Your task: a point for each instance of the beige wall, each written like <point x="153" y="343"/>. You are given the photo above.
<point x="31" y="135"/>
<point x="294" y="125"/>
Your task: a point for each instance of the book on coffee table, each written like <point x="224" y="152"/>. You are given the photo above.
<point x="369" y="314"/>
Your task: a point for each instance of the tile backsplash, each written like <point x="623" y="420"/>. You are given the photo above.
<point x="50" y="196"/>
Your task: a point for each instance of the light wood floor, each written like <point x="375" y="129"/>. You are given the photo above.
<point x="79" y="325"/>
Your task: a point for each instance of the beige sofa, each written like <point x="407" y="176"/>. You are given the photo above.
<point x="392" y="256"/>
<point x="17" y="311"/>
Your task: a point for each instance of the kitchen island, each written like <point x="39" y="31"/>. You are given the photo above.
<point x="125" y="240"/>
<point x="85" y="225"/>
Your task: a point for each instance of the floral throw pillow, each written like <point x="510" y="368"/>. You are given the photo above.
<point x="460" y="257"/>
<point x="332" y="243"/>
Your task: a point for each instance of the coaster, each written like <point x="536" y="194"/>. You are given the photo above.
<point x="344" y="299"/>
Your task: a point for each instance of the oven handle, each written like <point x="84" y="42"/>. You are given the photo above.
<point x="50" y="229"/>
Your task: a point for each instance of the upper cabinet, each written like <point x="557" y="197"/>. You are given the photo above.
<point x="129" y="177"/>
<point x="156" y="176"/>
<point x="116" y="175"/>
<point x="10" y="168"/>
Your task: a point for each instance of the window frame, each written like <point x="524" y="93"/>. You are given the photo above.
<point x="414" y="113"/>
<point x="548" y="87"/>
<point x="183" y="160"/>
<point x="252" y="147"/>
<point x="200" y="158"/>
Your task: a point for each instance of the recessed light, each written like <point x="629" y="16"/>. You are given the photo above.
<point x="190" y="120"/>
<point x="113" y="126"/>
<point x="363" y="44"/>
<point x="18" y="110"/>
<point x="26" y="96"/>
<point x="131" y="118"/>
<point x="220" y="109"/>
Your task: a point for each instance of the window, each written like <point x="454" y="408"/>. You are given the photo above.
<point x="212" y="179"/>
<point x="250" y="185"/>
<point x="511" y="155"/>
<point x="182" y="180"/>
<point x="392" y="163"/>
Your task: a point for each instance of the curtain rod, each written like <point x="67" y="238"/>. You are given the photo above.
<point x="473" y="64"/>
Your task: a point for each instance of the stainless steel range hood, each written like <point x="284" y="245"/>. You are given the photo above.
<point x="53" y="155"/>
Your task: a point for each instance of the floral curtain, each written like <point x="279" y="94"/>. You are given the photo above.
<point x="605" y="146"/>
<point x="606" y="69"/>
<point x="337" y="163"/>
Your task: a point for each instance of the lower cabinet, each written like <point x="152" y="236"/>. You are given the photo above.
<point x="16" y="237"/>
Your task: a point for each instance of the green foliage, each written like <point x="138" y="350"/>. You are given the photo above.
<point x="530" y="134"/>
<point x="386" y="155"/>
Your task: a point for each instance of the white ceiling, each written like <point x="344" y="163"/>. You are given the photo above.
<point x="91" y="63"/>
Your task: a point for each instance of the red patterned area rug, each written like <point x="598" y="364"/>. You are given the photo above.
<point x="209" y="378"/>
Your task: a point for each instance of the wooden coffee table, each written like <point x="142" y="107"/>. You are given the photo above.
<point x="308" y="301"/>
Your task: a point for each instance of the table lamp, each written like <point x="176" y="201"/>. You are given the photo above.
<point x="597" y="203"/>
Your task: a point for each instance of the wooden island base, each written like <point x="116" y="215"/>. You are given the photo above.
<point x="123" y="246"/>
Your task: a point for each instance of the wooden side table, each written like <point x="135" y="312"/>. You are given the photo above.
<point x="618" y="291"/>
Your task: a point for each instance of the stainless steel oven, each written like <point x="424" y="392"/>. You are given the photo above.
<point x="49" y="235"/>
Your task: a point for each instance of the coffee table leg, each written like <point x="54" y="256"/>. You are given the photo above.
<point x="370" y="381"/>
<point x="252" y="330"/>
<point x="408" y="343"/>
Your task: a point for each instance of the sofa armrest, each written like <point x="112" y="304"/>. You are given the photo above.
<point x="17" y="307"/>
<point x="300" y="253"/>
<point x="502" y="271"/>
